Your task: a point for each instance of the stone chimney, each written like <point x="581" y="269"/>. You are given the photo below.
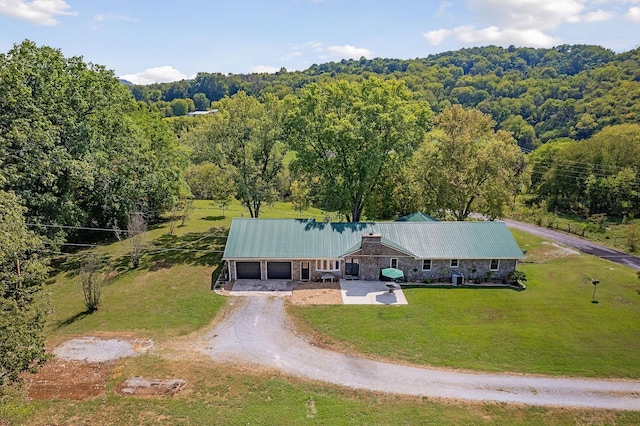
<point x="371" y="243"/>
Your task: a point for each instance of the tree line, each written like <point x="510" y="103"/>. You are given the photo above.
<point x="537" y="94"/>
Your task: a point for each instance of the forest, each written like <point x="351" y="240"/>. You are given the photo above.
<point x="470" y="131"/>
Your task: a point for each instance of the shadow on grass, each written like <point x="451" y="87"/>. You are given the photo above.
<point x="198" y="249"/>
<point x="72" y="264"/>
<point x="464" y="287"/>
<point x="213" y="218"/>
<point x="72" y="319"/>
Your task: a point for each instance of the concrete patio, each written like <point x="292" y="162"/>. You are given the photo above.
<point x="370" y="293"/>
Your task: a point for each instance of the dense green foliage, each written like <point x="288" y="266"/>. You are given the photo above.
<point x="22" y="311"/>
<point x="598" y="175"/>
<point x="465" y="166"/>
<point x="348" y="137"/>
<point x="75" y="146"/>
<point x="538" y="94"/>
<point x="245" y="139"/>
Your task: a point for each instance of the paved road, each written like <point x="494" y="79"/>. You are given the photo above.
<point x="578" y="243"/>
<point x="257" y="331"/>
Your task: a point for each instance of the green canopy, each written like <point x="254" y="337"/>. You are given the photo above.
<point x="392" y="273"/>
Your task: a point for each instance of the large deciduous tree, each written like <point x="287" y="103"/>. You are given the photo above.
<point x="348" y="135"/>
<point x="22" y="310"/>
<point x="75" y="146"/>
<point x="245" y="138"/>
<point x="466" y="166"/>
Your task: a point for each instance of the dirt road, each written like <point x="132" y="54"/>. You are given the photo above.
<point x="257" y="331"/>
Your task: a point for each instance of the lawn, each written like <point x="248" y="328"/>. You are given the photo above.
<point x="495" y="330"/>
<point x="550" y="328"/>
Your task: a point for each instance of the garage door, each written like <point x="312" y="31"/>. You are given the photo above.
<point x="279" y="270"/>
<point x="248" y="270"/>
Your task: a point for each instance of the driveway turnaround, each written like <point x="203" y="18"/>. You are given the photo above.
<point x="258" y="332"/>
<point x="370" y="293"/>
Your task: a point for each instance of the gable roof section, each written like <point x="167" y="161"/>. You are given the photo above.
<point x="307" y="239"/>
<point x="417" y="217"/>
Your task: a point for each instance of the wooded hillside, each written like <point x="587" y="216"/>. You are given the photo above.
<point x="538" y="94"/>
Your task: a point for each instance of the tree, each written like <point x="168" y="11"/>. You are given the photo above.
<point x="347" y="134"/>
<point x="75" y="146"/>
<point x="179" y="107"/>
<point x="201" y="102"/>
<point x="300" y="196"/>
<point x="22" y="272"/>
<point x="245" y="139"/>
<point x="91" y="279"/>
<point x="136" y="228"/>
<point x="466" y="166"/>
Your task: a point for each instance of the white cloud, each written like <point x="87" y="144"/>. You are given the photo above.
<point x="469" y="35"/>
<point x="633" y="14"/>
<point x="291" y="55"/>
<point x="523" y="22"/>
<point x="164" y="74"/>
<point x="39" y="12"/>
<point x="349" y="52"/>
<point x="98" y="20"/>
<point x="264" y="69"/>
<point x="506" y="36"/>
<point x="437" y="36"/>
<point x="443" y="9"/>
<point x="528" y="14"/>
<point x="598" y="16"/>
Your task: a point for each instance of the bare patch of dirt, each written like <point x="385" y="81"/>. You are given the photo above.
<point x="151" y="387"/>
<point x="95" y="349"/>
<point x="317" y="294"/>
<point x="81" y="367"/>
<point x="72" y="380"/>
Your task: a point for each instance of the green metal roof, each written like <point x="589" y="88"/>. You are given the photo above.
<point x="417" y="217"/>
<point x="307" y="239"/>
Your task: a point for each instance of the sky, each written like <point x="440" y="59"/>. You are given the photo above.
<point x="147" y="41"/>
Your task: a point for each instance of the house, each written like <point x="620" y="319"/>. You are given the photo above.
<point x="302" y="249"/>
<point x="198" y="113"/>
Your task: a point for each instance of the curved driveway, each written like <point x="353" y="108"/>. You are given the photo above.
<point x="257" y="331"/>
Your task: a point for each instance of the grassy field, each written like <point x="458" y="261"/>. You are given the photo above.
<point x="169" y="296"/>
<point x="550" y="328"/>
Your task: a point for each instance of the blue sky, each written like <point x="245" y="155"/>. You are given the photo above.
<point x="158" y="40"/>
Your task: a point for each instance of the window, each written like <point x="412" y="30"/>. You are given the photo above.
<point x="327" y="265"/>
<point x="394" y="263"/>
<point x="426" y="264"/>
<point x="454" y="263"/>
<point x="495" y="264"/>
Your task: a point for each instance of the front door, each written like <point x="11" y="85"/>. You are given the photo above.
<point x="304" y="271"/>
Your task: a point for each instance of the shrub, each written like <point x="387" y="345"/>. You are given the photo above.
<point x="517" y="277"/>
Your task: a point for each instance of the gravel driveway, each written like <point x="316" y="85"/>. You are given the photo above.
<point x="257" y="331"/>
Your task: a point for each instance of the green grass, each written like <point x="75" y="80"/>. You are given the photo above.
<point x="223" y="395"/>
<point x="550" y="328"/>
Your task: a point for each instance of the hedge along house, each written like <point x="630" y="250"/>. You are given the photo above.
<point x="297" y="249"/>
